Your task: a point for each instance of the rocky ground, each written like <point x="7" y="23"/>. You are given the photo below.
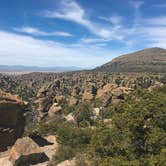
<point x="41" y="97"/>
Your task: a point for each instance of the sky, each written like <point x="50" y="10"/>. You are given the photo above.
<point x="82" y="33"/>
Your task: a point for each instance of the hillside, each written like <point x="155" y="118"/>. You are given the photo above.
<point x="147" y="60"/>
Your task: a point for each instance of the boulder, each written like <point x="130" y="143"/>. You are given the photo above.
<point x="121" y="91"/>
<point x="100" y="93"/>
<point x="48" y="145"/>
<point x="43" y="104"/>
<point x="54" y="109"/>
<point x="107" y="98"/>
<point x="51" y="148"/>
<point x="26" y="152"/>
<point x="108" y="121"/>
<point x="116" y="101"/>
<point x="60" y="99"/>
<point x="87" y="96"/>
<point x="107" y="88"/>
<point x="75" y="92"/>
<point x="96" y="111"/>
<point x="70" y="117"/>
<point x="42" y="91"/>
<point x="156" y="85"/>
<point x="73" y="101"/>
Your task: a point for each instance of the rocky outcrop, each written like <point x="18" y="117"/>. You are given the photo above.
<point x="156" y="85"/>
<point x="87" y="96"/>
<point x="44" y="99"/>
<point x="43" y="104"/>
<point x="9" y="97"/>
<point x="59" y="99"/>
<point x="54" y="109"/>
<point x="36" y="151"/>
<point x="12" y="119"/>
<point x="25" y="152"/>
<point x="70" y="118"/>
<point x="120" y="91"/>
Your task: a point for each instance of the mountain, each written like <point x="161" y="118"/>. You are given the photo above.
<point x="147" y="60"/>
<point x="20" y="68"/>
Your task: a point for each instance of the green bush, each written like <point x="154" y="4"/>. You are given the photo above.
<point x="83" y="115"/>
<point x="63" y="153"/>
<point x="136" y="137"/>
<point x="73" y="136"/>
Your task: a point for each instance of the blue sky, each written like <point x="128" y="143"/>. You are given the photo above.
<point x="78" y="32"/>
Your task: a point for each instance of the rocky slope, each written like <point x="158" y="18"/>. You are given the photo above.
<point x="80" y="99"/>
<point x="151" y="60"/>
<point x="48" y="92"/>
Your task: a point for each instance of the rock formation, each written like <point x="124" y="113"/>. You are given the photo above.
<point x="12" y="119"/>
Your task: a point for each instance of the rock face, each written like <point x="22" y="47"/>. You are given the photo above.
<point x="148" y="60"/>
<point x="25" y="152"/>
<point x="9" y="97"/>
<point x="12" y="120"/>
<point x="4" y="159"/>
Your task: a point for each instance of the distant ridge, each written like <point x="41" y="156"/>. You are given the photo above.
<point x="20" y="68"/>
<point x="147" y="60"/>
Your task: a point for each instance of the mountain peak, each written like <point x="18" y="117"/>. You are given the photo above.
<point x="147" y="60"/>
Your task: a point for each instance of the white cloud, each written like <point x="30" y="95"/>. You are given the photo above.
<point x="94" y="40"/>
<point x="156" y="21"/>
<point x="37" y="32"/>
<point x="115" y="19"/>
<point x="25" y="50"/>
<point x="157" y="32"/>
<point x="70" y="10"/>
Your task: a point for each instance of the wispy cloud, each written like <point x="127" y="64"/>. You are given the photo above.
<point x="141" y="30"/>
<point x="115" y="19"/>
<point x="158" y="21"/>
<point x="137" y="4"/>
<point x="70" y="10"/>
<point x="94" y="40"/>
<point x="37" y="32"/>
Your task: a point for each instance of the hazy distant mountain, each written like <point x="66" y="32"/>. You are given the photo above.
<point x="147" y="60"/>
<point x="19" y="68"/>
